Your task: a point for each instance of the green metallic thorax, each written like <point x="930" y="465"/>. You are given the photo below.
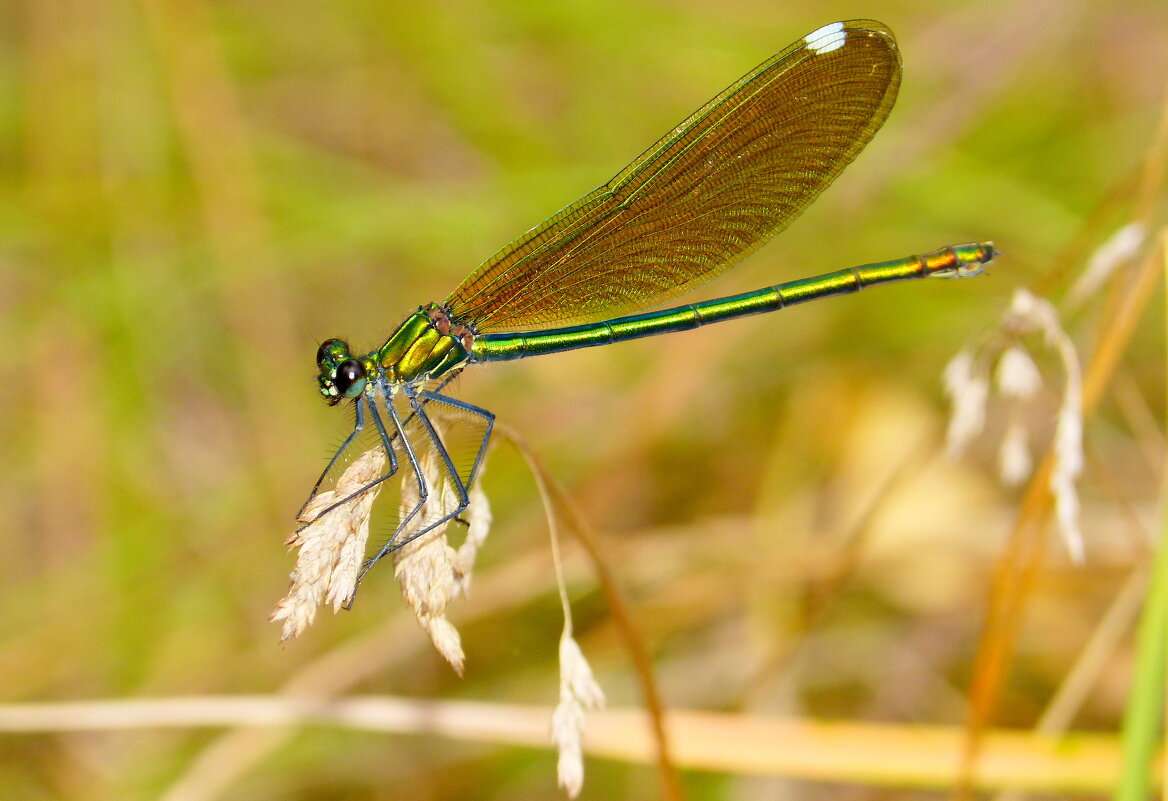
<point x="418" y="348"/>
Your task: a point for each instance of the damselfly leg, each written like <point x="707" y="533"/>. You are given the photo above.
<point x="344" y="454"/>
<point x="365" y="410"/>
<point x="436" y="458"/>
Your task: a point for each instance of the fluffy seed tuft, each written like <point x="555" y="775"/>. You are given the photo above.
<point x="427" y="568"/>
<point x="579" y="694"/>
<point x="331" y="547"/>
<point x="968" y="387"/>
<point x="1017" y="374"/>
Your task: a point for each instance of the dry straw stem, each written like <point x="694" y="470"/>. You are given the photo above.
<point x="1015" y="573"/>
<point x="555" y="498"/>
<point x="875" y="754"/>
<point x="579" y="691"/>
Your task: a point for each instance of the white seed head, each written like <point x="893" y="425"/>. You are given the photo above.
<point x="1017" y="374"/>
<point x="331" y="546"/>
<point x="427" y="567"/>
<point x="1120" y="248"/>
<point x="478" y="518"/>
<point x="1029" y="313"/>
<point x="579" y="694"/>
<point x="1068" y="464"/>
<point x="1014" y="459"/>
<point x="967" y="388"/>
<point x="1022" y="304"/>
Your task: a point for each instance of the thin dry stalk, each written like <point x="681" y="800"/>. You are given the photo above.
<point x="885" y="755"/>
<point x="634" y="641"/>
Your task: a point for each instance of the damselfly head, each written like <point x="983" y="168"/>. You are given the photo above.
<point x="341" y="376"/>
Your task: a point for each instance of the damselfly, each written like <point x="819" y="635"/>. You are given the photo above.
<point x="734" y="173"/>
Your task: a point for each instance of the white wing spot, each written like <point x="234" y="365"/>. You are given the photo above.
<point x="829" y="37"/>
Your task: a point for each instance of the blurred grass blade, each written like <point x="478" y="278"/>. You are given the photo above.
<point x="1143" y="721"/>
<point x="1144" y="718"/>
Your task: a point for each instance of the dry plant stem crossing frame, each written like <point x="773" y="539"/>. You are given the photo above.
<point x="558" y="501"/>
<point x="881" y="755"/>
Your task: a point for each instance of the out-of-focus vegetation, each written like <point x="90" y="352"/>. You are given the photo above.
<point x="194" y="194"/>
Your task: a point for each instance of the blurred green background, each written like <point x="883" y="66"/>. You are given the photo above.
<point x="194" y="194"/>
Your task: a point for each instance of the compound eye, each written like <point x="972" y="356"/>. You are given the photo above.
<point x="350" y="380"/>
<point x="326" y="349"/>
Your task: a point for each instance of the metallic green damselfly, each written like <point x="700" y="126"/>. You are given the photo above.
<point x="717" y="186"/>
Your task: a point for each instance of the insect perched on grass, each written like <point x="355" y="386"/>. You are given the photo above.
<point x="734" y="173"/>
